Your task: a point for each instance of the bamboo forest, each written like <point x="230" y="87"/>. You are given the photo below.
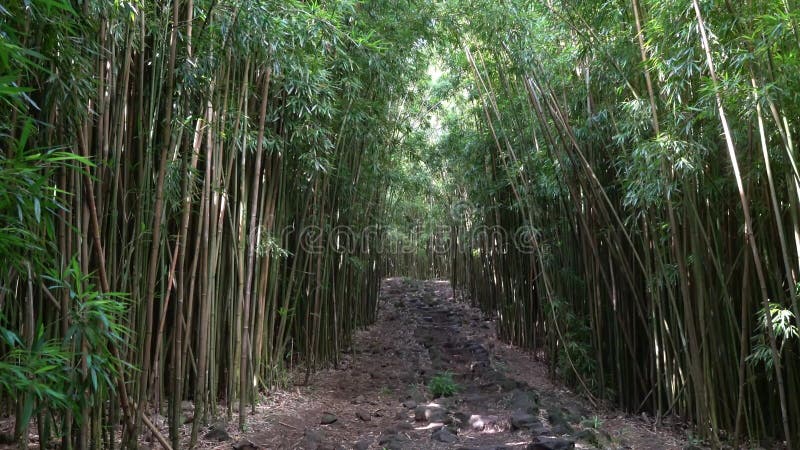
<point x="399" y="224"/>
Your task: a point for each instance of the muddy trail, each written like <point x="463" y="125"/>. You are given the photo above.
<point x="380" y="396"/>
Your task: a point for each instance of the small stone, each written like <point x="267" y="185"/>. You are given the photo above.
<point x="244" y="444"/>
<point x="443" y="434"/>
<point x="328" y="418"/>
<point x="218" y="432"/>
<point x="545" y="443"/>
<point x="556" y="417"/>
<point x="363" y="415"/>
<point x="392" y="441"/>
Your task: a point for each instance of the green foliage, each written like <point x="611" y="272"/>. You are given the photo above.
<point x="574" y="356"/>
<point x="97" y="325"/>
<point x="785" y="330"/>
<point x="442" y="385"/>
<point x="594" y="422"/>
<point x="39" y="376"/>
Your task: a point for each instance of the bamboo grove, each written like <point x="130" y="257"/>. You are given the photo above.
<point x="198" y="195"/>
<point x="631" y="178"/>
<point x="173" y="178"/>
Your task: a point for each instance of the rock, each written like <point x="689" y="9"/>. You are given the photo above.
<point x="218" y="432"/>
<point x="244" y="444"/>
<point x="545" y="443"/>
<point x="328" y="418"/>
<point x="522" y="420"/>
<point x="363" y="415"/>
<point x="443" y="434"/>
<point x="559" y="422"/>
<point x="520" y="400"/>
<point x="392" y="441"/>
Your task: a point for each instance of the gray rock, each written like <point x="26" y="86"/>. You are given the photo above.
<point x="244" y="444"/>
<point x="328" y="418"/>
<point x="392" y="441"/>
<point x="520" y="400"/>
<point x="362" y="444"/>
<point x="443" y="434"/>
<point x="522" y="420"/>
<point x="218" y="432"/>
<point x="545" y="443"/>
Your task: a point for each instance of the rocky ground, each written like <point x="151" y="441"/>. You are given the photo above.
<point x="380" y="396"/>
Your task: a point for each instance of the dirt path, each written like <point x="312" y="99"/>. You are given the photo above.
<point x="379" y="396"/>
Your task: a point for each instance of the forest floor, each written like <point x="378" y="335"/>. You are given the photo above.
<point x="379" y="396"/>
